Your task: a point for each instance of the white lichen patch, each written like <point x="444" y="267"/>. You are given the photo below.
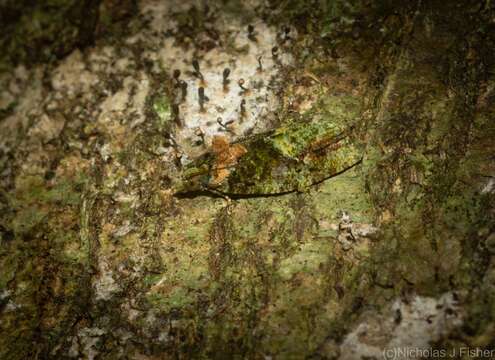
<point x="47" y="128"/>
<point x="9" y="304"/>
<point x="72" y="77"/>
<point x="229" y="110"/>
<point x="489" y="187"/>
<point x="20" y="90"/>
<point x="412" y="324"/>
<point x="105" y="285"/>
<point x="85" y="343"/>
<point x="128" y="104"/>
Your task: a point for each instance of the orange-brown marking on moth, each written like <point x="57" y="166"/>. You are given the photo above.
<point x="226" y="156"/>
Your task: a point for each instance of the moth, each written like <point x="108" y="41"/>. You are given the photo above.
<point x="289" y="159"/>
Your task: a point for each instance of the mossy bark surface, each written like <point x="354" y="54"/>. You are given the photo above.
<point x="112" y="247"/>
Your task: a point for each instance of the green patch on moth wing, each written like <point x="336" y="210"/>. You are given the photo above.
<point x="330" y="117"/>
<point x="291" y="141"/>
<point x="264" y="170"/>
